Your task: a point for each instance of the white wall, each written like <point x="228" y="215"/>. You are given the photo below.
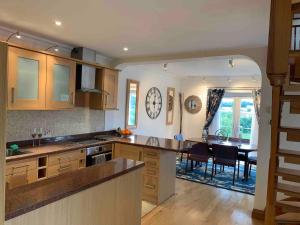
<point x="193" y="123"/>
<point x="147" y="79"/>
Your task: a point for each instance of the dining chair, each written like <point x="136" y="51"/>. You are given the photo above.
<point x="200" y="153"/>
<point x="252" y="160"/>
<point x="179" y="137"/>
<point x="224" y="156"/>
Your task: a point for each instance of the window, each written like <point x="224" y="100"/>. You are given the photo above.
<point x="236" y="116"/>
<point x="132" y="97"/>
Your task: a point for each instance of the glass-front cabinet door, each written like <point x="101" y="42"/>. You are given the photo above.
<point x="60" y="83"/>
<point x="26" y="79"/>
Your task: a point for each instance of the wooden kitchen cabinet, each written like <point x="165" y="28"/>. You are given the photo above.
<point x="60" y="88"/>
<point x="107" y="83"/>
<point x="159" y="173"/>
<point x="26" y="79"/>
<point x="21" y="172"/>
<point x="128" y="152"/>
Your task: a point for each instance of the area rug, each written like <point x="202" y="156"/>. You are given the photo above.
<point x="220" y="180"/>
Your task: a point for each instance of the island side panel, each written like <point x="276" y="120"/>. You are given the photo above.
<point x="3" y="103"/>
<point x="115" y="202"/>
<point x="167" y="175"/>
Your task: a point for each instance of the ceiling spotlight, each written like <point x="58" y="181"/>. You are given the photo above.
<point x="56" y="49"/>
<point x="16" y="34"/>
<point x="231" y="63"/>
<point x="165" y="66"/>
<point x="125" y="49"/>
<point x="229" y="80"/>
<point x="58" y="23"/>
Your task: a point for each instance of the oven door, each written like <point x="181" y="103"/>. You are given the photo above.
<point x="98" y="158"/>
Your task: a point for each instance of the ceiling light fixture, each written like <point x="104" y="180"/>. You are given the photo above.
<point x="231" y="63"/>
<point x="54" y="47"/>
<point x="16" y="34"/>
<point x="165" y="66"/>
<point x="58" y="23"/>
<point x="229" y="80"/>
<point x="125" y="49"/>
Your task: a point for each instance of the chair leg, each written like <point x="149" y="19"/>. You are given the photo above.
<point x="186" y="165"/>
<point x="238" y="173"/>
<point x="212" y="170"/>
<point x="250" y="170"/>
<point x="223" y="168"/>
<point x="220" y="168"/>
<point x="215" y="169"/>
<point x="181" y="157"/>
<point x="205" y="170"/>
<point x="233" y="176"/>
<point x="192" y="165"/>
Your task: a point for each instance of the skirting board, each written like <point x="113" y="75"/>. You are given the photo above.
<point x="258" y="214"/>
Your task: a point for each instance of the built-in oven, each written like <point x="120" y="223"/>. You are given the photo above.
<point x="98" y="154"/>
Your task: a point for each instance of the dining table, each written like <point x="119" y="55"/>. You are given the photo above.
<point x="243" y="147"/>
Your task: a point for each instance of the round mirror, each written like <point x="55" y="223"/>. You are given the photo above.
<point x="193" y="104"/>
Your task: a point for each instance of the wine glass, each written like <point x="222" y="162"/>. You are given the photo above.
<point x="40" y="134"/>
<point x="33" y="133"/>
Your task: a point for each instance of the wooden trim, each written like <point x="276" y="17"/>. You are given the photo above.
<point x="3" y="100"/>
<point x="169" y="90"/>
<point x="78" y="61"/>
<point x="258" y="214"/>
<point x="129" y="81"/>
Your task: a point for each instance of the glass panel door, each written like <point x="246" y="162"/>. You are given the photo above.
<point x="27" y="79"/>
<point x="61" y="83"/>
<point x="226" y="111"/>
<point x="246" y="118"/>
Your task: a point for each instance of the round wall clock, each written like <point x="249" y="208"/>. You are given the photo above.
<point x="153" y="103"/>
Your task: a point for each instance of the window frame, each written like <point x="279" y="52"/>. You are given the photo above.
<point x="129" y="82"/>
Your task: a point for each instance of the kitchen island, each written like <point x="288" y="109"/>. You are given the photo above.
<point x="93" y="195"/>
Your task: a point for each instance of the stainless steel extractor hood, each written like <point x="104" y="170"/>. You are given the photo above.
<point x="85" y="75"/>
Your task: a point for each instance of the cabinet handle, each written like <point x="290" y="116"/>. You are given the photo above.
<point x="72" y="98"/>
<point x="150" y="186"/>
<point x="12" y="95"/>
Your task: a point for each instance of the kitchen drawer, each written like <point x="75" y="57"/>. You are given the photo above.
<point x="62" y="168"/>
<point x="150" y="184"/>
<point x="150" y="162"/>
<point x="19" y="179"/>
<point x="127" y="152"/>
<point x="150" y="171"/>
<point x="151" y="153"/>
<point x="60" y="158"/>
<point x="21" y="166"/>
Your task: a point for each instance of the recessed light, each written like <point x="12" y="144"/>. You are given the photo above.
<point x="165" y="66"/>
<point x="56" y="49"/>
<point x="125" y="49"/>
<point x="58" y="23"/>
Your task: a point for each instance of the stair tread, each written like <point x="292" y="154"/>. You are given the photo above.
<point x="289" y="129"/>
<point x="292" y="98"/>
<point x="286" y="171"/>
<point x="292" y="204"/>
<point x="288" y="218"/>
<point x="290" y="153"/>
<point x="288" y="189"/>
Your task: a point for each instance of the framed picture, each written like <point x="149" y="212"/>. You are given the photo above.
<point x="170" y="105"/>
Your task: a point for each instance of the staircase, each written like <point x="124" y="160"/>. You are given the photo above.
<point x="283" y="199"/>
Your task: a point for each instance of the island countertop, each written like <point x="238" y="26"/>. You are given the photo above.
<point x="29" y="197"/>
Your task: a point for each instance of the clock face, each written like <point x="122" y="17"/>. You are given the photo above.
<point x="153" y="103"/>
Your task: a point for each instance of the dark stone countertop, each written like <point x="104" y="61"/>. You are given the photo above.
<point x="29" y="197"/>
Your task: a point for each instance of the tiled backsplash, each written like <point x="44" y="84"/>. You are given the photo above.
<point x="66" y="122"/>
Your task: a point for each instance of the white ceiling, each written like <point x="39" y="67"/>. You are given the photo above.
<point x="146" y="27"/>
<point x="206" y="67"/>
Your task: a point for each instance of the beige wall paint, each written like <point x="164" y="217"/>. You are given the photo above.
<point x="65" y="122"/>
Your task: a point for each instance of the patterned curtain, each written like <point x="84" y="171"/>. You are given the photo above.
<point x="256" y="94"/>
<point x="214" y="99"/>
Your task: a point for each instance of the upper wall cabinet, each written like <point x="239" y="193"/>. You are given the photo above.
<point x="107" y="83"/>
<point x="26" y="79"/>
<point x="37" y="81"/>
<point x="60" y="88"/>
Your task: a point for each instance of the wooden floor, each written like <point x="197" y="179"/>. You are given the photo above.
<point x="197" y="204"/>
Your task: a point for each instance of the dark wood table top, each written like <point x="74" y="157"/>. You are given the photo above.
<point x="243" y="147"/>
<point x="23" y="199"/>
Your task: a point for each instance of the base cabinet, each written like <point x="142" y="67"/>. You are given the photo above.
<point x="159" y="173"/>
